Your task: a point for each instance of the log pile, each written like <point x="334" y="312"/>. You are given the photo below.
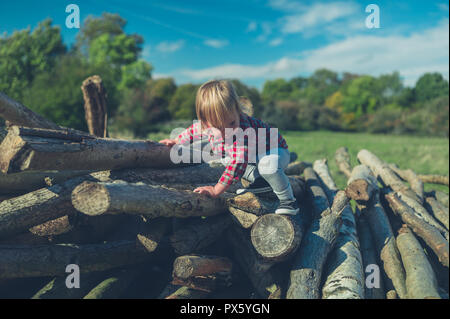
<point x="127" y="218"/>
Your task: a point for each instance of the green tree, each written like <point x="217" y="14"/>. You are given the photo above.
<point x="430" y="86"/>
<point x="361" y="96"/>
<point x="143" y="107"/>
<point x="25" y="54"/>
<point x="182" y="104"/>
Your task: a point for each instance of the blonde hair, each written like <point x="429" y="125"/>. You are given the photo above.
<point x="216" y="100"/>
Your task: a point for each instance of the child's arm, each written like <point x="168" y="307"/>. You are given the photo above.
<point x="213" y="191"/>
<point x="188" y="136"/>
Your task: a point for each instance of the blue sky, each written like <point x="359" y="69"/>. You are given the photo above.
<point x="256" y="40"/>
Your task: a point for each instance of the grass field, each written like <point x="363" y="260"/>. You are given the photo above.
<point x="424" y="155"/>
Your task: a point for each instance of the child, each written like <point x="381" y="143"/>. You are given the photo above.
<point x="221" y="114"/>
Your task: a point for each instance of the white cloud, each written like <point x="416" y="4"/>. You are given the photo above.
<point x="286" y="5"/>
<point x="412" y="55"/>
<point x="266" y="31"/>
<point x="276" y="42"/>
<point x="216" y="43"/>
<point x="169" y="47"/>
<point x="252" y="26"/>
<point x="318" y="14"/>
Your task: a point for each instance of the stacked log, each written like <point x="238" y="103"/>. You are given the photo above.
<point x="120" y="211"/>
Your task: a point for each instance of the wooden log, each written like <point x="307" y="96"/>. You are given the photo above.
<point x="200" y="265"/>
<point x="386" y="247"/>
<point x="361" y="185"/>
<point x="57" y="288"/>
<point x="177" y="292"/>
<point x="24" y="182"/>
<point x="26" y="149"/>
<point x="242" y="218"/>
<point x="344" y="269"/>
<point x="441" y="197"/>
<point x="414" y="181"/>
<point x="95" y="106"/>
<point x="296" y="168"/>
<point x="343" y="161"/>
<point x="51" y="260"/>
<point x="198" y="234"/>
<point x="382" y="171"/>
<point x="206" y="273"/>
<point x="421" y="281"/>
<point x="266" y="283"/>
<point x="114" y="285"/>
<point x="439" y="211"/>
<point x="318" y="241"/>
<point x="428" y="233"/>
<point x="18" y="114"/>
<point x="315" y="193"/>
<point x="369" y="257"/>
<point x="19" y="214"/>
<point x="276" y="237"/>
<point x="138" y="198"/>
<point x="434" y="179"/>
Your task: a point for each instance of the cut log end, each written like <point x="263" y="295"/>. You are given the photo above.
<point x="91" y="199"/>
<point x="275" y="236"/>
<point x="358" y="190"/>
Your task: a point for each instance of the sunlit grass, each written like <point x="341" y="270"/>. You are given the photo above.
<point x="424" y="155"/>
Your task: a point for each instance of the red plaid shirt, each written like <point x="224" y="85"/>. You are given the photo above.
<point x="239" y="150"/>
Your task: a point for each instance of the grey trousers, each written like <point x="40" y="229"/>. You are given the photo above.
<point x="271" y="167"/>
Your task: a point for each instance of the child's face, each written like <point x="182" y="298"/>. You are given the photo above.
<point x="232" y="122"/>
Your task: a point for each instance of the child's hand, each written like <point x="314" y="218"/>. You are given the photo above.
<point x="208" y="190"/>
<point x="168" y="142"/>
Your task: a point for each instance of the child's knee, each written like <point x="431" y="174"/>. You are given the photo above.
<point x="269" y="165"/>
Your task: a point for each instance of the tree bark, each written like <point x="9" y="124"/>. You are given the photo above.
<point x="439" y="211"/>
<point x="361" y="185"/>
<point x="152" y="201"/>
<point x="343" y="161"/>
<point x="265" y="281"/>
<point x="441" y="197"/>
<point x="296" y="168"/>
<point x="114" y="285"/>
<point x="177" y="292"/>
<point x="242" y="218"/>
<point x="24" y="182"/>
<point x="434" y="179"/>
<point x="319" y="239"/>
<point x="344" y="271"/>
<point x="369" y="257"/>
<point x="382" y="171"/>
<point x="95" y="106"/>
<point x="386" y="247"/>
<point x="57" y="288"/>
<point x="389" y="178"/>
<point x="26" y="149"/>
<point x="51" y="260"/>
<point x="19" y="214"/>
<point x="18" y="114"/>
<point x="199" y="234"/>
<point x="315" y="193"/>
<point x="277" y="237"/>
<point x="199" y="265"/>
<point x="421" y="281"/>
<point x="428" y="233"/>
<point x="414" y="181"/>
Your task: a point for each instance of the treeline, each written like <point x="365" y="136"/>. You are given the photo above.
<point x="37" y="69"/>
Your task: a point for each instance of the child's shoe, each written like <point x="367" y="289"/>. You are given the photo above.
<point x="260" y="185"/>
<point x="288" y="208"/>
